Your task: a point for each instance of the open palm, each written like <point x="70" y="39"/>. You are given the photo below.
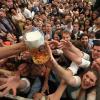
<point x="11" y="83"/>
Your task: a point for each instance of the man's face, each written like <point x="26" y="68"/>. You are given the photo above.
<point x="81" y="16"/>
<point x="97" y="21"/>
<point x="58" y="27"/>
<point x="66" y="37"/>
<point x="96" y="52"/>
<point x="75" y="27"/>
<point x="84" y="40"/>
<point x="48" y="27"/>
<point x="2" y="14"/>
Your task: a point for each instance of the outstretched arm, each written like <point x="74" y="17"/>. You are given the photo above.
<point x="13" y="83"/>
<point x="66" y="75"/>
<point x="59" y="92"/>
<point x="71" y="51"/>
<point x="11" y="50"/>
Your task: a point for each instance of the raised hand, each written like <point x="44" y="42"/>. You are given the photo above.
<point x="96" y="64"/>
<point x="49" y="50"/>
<point x="11" y="83"/>
<point x="53" y="44"/>
<point x="64" y="44"/>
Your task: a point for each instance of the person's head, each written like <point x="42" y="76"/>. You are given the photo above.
<point x="76" y="27"/>
<point x="76" y="14"/>
<point x="58" y="26"/>
<point x="39" y="24"/>
<point x="97" y="21"/>
<point x="87" y="13"/>
<point x="66" y="36"/>
<point x="67" y="16"/>
<point x="43" y="28"/>
<point x="82" y="16"/>
<point x="94" y="15"/>
<point x="25" y="55"/>
<point x="28" y="21"/>
<point x="96" y="49"/>
<point x="87" y="22"/>
<point x="57" y="36"/>
<point x="13" y="11"/>
<point x="84" y="39"/>
<point x="90" y="79"/>
<point x="82" y="27"/>
<point x="97" y="34"/>
<point x="69" y="21"/>
<point x="2" y="13"/>
<point x="43" y="16"/>
<point x="28" y="26"/>
<point x="48" y="27"/>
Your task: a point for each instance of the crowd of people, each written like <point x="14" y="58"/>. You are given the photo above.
<point x="71" y="29"/>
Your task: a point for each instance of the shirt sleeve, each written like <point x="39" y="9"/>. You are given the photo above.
<point x="84" y="63"/>
<point x="86" y="56"/>
<point x="73" y="67"/>
<point x="92" y="95"/>
<point x="26" y="89"/>
<point x="77" y="81"/>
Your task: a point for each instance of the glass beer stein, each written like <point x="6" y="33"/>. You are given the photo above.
<point x="35" y="42"/>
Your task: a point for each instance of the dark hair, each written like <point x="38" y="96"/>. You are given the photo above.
<point x="97" y="34"/>
<point x="82" y="35"/>
<point x="96" y="42"/>
<point x="96" y="73"/>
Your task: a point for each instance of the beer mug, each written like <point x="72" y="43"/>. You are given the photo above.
<point x="36" y="44"/>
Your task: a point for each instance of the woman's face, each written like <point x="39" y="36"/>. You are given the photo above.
<point x="89" y="80"/>
<point x="87" y="22"/>
<point x="13" y="11"/>
<point x="56" y="37"/>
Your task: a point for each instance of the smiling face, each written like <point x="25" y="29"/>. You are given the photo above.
<point x="85" y="40"/>
<point x="96" y="52"/>
<point x="89" y="80"/>
<point x="66" y="36"/>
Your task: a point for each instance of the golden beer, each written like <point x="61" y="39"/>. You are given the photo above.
<point x="40" y="56"/>
<point x="35" y="42"/>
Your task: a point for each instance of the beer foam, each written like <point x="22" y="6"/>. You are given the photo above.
<point x="31" y="36"/>
<point x="34" y="39"/>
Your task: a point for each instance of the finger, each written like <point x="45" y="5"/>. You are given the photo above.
<point x="3" y="79"/>
<point x="97" y="66"/>
<point x="48" y="91"/>
<point x="14" y="91"/>
<point x="6" y="91"/>
<point x="60" y="46"/>
<point x="53" y="41"/>
<point x="3" y="86"/>
<point x="48" y="48"/>
<point x="62" y="40"/>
